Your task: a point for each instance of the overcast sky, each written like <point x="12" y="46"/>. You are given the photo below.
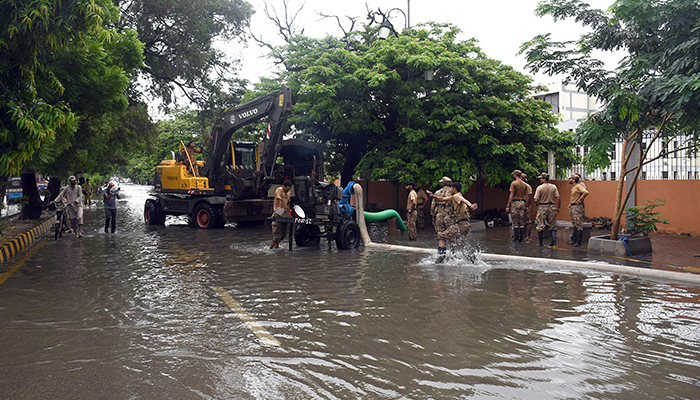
<point x="500" y="26"/>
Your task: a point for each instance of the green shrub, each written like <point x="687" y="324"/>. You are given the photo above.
<point x="643" y="219"/>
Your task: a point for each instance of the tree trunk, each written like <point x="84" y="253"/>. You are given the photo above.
<point x="31" y="202"/>
<point x="617" y="216"/>
<point x="352" y="158"/>
<point x="54" y="187"/>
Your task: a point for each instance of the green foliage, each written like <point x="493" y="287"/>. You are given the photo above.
<point x="654" y="91"/>
<point x="367" y="101"/>
<point x="656" y="86"/>
<point x="65" y="74"/>
<point x="31" y="34"/>
<point x="643" y="219"/>
<point x="179" y="39"/>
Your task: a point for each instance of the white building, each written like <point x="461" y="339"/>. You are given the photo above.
<point x="573" y="106"/>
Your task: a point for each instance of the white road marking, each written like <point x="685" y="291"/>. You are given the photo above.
<point x="265" y="337"/>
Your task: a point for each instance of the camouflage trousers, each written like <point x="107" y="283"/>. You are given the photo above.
<point x="546" y="217"/>
<point x="442" y="222"/>
<point x="518" y="212"/>
<point x="420" y="223"/>
<point x="576" y="213"/>
<point x="456" y="234"/>
<point x="279" y="231"/>
<point x="411" y="225"/>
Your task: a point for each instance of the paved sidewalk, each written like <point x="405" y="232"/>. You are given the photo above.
<point x="671" y="251"/>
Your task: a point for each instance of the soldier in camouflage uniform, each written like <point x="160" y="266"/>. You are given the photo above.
<point x="578" y="193"/>
<point x="548" y="203"/>
<point x="442" y="216"/>
<point x="518" y="205"/>
<point x="411" y="211"/>
<point x="456" y="232"/>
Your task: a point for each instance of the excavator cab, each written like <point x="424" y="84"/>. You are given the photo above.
<point x="173" y="176"/>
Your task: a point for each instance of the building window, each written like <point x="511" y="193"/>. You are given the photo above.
<point x="612" y="175"/>
<point x="675" y="149"/>
<point x="675" y="175"/>
<point x="690" y="175"/>
<point x="644" y="175"/>
<point x="664" y="175"/>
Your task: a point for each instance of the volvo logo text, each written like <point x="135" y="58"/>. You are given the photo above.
<point x="247" y="114"/>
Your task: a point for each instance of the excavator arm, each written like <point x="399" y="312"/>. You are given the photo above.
<point x="276" y="106"/>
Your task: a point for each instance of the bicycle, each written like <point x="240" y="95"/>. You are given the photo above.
<point x="61" y="223"/>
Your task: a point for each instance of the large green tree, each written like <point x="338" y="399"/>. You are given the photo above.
<point x="180" y="40"/>
<point x="111" y="124"/>
<point x="368" y="101"/>
<point x="654" y="90"/>
<point x="31" y="108"/>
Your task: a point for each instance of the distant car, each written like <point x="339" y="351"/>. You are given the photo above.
<point x="14" y="190"/>
<point x="41" y="182"/>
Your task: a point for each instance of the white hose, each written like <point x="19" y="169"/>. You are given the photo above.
<point x="360" y="212"/>
<point x="621" y="269"/>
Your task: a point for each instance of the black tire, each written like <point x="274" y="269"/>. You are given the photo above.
<point x="204" y="216"/>
<point x="348" y="235"/>
<point x="221" y="221"/>
<point x="307" y="235"/>
<point x="152" y="214"/>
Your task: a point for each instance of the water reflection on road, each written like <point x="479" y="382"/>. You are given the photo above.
<point x="136" y="314"/>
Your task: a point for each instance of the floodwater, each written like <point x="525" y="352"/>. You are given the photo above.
<point x="176" y="312"/>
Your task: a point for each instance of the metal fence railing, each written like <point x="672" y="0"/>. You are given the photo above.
<point x="682" y="165"/>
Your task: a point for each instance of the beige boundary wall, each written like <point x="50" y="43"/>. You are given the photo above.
<point x="682" y="199"/>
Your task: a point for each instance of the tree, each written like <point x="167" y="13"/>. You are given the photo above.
<point x="31" y="110"/>
<point x="367" y="100"/>
<point x="111" y="125"/>
<point x="180" y="44"/>
<point x="654" y="91"/>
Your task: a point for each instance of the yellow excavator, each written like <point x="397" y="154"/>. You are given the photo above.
<point x="233" y="182"/>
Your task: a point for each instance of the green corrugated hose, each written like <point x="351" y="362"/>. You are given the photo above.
<point x="386" y="214"/>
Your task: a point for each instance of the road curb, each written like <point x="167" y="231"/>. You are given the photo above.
<point x="18" y="244"/>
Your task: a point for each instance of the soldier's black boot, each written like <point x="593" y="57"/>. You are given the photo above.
<point x="522" y="235"/>
<point x="573" y="238"/>
<point x="579" y="237"/>
<point x="516" y="234"/>
<point x="540" y="237"/>
<point x="441" y="254"/>
<point x="554" y="239"/>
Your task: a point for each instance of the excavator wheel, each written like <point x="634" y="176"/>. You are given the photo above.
<point x="348" y="235"/>
<point x="152" y="214"/>
<point x="205" y="216"/>
<point x="219" y="211"/>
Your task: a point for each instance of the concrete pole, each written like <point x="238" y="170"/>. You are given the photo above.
<point x="632" y="162"/>
<point x="551" y="165"/>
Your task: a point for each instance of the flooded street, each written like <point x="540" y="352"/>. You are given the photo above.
<point x="177" y="312"/>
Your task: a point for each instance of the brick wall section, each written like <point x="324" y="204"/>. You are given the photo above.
<point x="681" y="207"/>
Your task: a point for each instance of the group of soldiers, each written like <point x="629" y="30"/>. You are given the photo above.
<point x="449" y="210"/>
<point x="548" y="203"/>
